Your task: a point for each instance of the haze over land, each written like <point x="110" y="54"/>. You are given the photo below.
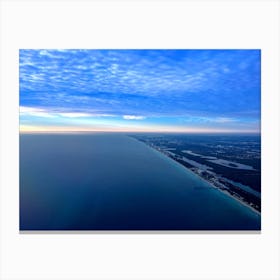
<point x="140" y="90"/>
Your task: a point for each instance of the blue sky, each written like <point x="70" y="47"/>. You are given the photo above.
<point x="140" y="90"/>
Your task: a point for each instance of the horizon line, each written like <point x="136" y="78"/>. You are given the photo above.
<point x="106" y="131"/>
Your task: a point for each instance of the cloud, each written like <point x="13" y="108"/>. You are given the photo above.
<point x="83" y="115"/>
<point x="35" y="112"/>
<point x="74" y="115"/>
<point x="148" y="73"/>
<point x="224" y="120"/>
<point x="40" y="112"/>
<point x="131" y="84"/>
<point x="131" y="117"/>
<point x="216" y="119"/>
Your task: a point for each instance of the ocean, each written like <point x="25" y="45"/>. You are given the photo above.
<point x="110" y="181"/>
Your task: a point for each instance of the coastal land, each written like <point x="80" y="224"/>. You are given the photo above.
<point x="199" y="165"/>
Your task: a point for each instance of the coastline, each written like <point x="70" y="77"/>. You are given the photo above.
<point x="210" y="183"/>
<point x="228" y="194"/>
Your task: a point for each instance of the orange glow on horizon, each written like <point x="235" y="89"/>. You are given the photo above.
<point x="53" y="129"/>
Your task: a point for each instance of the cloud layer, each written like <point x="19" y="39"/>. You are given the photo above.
<point x="221" y="85"/>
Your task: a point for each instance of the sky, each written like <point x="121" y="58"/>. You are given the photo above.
<point x="140" y="90"/>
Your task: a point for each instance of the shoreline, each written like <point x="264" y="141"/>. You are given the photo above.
<point x="211" y="184"/>
<point x="228" y="194"/>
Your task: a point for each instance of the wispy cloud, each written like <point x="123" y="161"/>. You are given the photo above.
<point x="35" y="112"/>
<point x="131" y="117"/>
<point x="224" y="120"/>
<point x="41" y="112"/>
<point x="74" y="115"/>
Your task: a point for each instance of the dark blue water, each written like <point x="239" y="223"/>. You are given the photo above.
<point x="114" y="182"/>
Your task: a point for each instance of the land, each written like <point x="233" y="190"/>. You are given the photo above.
<point x="230" y="163"/>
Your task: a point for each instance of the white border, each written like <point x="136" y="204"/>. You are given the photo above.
<point x="140" y="24"/>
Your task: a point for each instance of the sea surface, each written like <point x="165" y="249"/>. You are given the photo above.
<point x="115" y="182"/>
